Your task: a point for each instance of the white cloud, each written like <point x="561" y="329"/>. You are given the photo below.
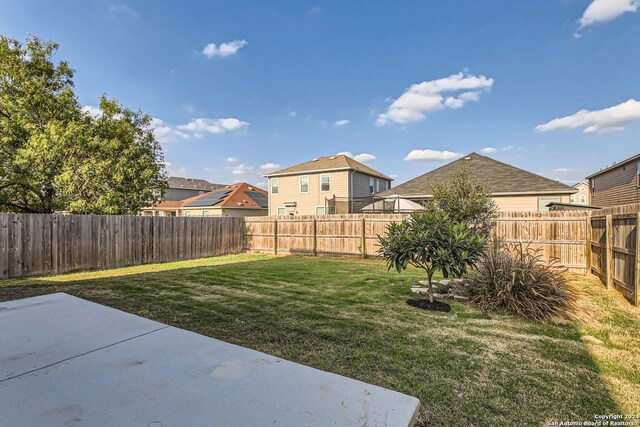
<point x="269" y="166"/>
<point x="610" y="119"/>
<point x="164" y="133"/>
<point x="214" y="126"/>
<point x="314" y="11"/>
<point x="224" y="49"/>
<point x="96" y="112"/>
<point x="340" y="123"/>
<point x="431" y="156"/>
<point x="123" y="10"/>
<point x="262" y="184"/>
<point x="292" y="114"/>
<point x="429" y="96"/>
<point x="242" y="169"/>
<point x="600" y="11"/>
<point x="362" y="157"/>
<point x="489" y="150"/>
<point x="562" y="170"/>
<point x="232" y="159"/>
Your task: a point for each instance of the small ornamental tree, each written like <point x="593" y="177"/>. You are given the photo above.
<point x="465" y="198"/>
<point x="432" y="242"/>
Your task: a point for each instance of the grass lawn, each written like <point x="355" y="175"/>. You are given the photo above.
<point x="349" y="316"/>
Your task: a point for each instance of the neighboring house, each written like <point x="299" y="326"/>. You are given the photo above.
<point x="512" y="189"/>
<point x="239" y="199"/>
<point x="582" y="196"/>
<point x="326" y="185"/>
<point x="182" y="188"/>
<point x="616" y="185"/>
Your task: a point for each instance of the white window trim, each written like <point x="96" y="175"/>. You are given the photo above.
<point x="277" y="186"/>
<point x="284" y="211"/>
<point x="372" y="185"/>
<point x="329" y="176"/>
<point x="323" y="207"/>
<point x="300" y="184"/>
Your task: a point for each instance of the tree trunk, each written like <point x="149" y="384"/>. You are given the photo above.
<point x="430" y="289"/>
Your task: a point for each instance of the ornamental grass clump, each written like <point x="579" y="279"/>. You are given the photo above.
<point x="515" y="279"/>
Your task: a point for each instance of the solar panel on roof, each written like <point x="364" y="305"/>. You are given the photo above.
<point x="209" y="199"/>
<point x="259" y="198"/>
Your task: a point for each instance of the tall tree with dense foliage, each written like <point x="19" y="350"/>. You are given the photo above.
<point x="465" y="198"/>
<point x="433" y="242"/>
<point x="54" y="156"/>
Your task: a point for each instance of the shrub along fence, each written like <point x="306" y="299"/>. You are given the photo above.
<point x="32" y="244"/>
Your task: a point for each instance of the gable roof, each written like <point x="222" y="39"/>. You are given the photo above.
<point x="615" y="165"/>
<point x="240" y="195"/>
<point x="502" y="179"/>
<point x="191" y="184"/>
<point x="329" y="163"/>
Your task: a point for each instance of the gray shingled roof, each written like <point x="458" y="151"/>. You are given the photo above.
<point x="191" y="184"/>
<point x="337" y="162"/>
<point x="501" y="178"/>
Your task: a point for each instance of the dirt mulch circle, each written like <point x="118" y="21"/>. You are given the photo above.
<point x="431" y="306"/>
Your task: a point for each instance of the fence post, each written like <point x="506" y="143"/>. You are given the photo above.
<point x="363" y="239"/>
<point x="315" y="237"/>
<point x="275" y="237"/>
<point x="636" y="292"/>
<point x="587" y="252"/>
<point x="609" y="251"/>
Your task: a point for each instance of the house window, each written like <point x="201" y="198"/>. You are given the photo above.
<point x="205" y="213"/>
<point x="304" y="184"/>
<point x="187" y="213"/>
<point x="281" y="212"/>
<point x="320" y="210"/>
<point x="325" y="182"/>
<point x="371" y="183"/>
<point x="275" y="185"/>
<point x="583" y="199"/>
<point x="573" y="199"/>
<point x="638" y="176"/>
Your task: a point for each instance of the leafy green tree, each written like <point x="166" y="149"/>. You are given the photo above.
<point x="54" y="156"/>
<point x="465" y="198"/>
<point x="433" y="242"/>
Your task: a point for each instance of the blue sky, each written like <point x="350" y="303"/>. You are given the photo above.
<point x="237" y="85"/>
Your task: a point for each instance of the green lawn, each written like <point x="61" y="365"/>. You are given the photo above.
<point x="349" y="316"/>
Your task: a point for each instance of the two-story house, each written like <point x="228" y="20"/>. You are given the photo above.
<point x="582" y="197"/>
<point x="326" y="185"/>
<point x="616" y="185"/>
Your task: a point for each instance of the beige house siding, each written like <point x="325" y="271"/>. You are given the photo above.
<point x="618" y="186"/>
<point x="210" y="211"/>
<point x="526" y="203"/>
<point x="306" y="203"/>
<point x="583" y="196"/>
<point x="344" y="184"/>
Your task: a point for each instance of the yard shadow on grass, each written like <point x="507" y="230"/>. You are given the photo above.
<point x="350" y="317"/>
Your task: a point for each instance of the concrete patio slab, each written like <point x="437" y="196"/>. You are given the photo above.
<point x="66" y="361"/>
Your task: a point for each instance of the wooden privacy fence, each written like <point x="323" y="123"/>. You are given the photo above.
<point x="560" y="236"/>
<point x="615" y="249"/>
<point x="33" y="244"/>
<point x="348" y="234"/>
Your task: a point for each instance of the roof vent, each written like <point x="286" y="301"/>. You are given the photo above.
<point x="314" y="160"/>
<point x="467" y="158"/>
<point x="251" y="189"/>
<point x="332" y="157"/>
